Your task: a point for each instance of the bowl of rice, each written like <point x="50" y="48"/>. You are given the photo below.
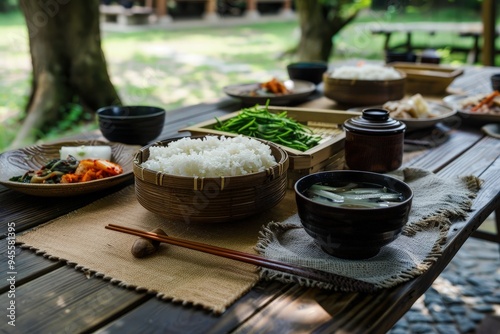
<point x="364" y="85"/>
<point x="210" y="179"/>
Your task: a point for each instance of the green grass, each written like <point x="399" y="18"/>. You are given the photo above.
<point x="178" y="67"/>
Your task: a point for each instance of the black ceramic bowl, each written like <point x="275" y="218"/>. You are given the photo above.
<point x="308" y="71"/>
<point x="401" y="56"/>
<point x="347" y="232"/>
<point x="135" y="125"/>
<point x="495" y="81"/>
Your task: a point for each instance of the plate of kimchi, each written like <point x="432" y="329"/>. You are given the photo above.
<point x="41" y="170"/>
<point x="482" y="108"/>
<point x="275" y="91"/>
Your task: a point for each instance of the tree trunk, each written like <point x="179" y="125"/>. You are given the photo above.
<point x="68" y="62"/>
<point x="318" y="24"/>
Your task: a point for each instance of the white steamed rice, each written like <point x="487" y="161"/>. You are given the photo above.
<point x="210" y="156"/>
<point x="365" y="72"/>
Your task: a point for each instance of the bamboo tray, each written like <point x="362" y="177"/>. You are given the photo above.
<point x="324" y="122"/>
<point x="431" y="79"/>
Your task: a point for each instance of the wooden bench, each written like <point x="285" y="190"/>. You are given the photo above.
<point x="125" y="16"/>
<point x="463" y="30"/>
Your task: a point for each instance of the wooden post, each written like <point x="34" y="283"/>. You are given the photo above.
<point x="251" y="11"/>
<point x="489" y="32"/>
<point x="286" y="10"/>
<point x="211" y="11"/>
<point x="162" y="11"/>
<point x="161" y="8"/>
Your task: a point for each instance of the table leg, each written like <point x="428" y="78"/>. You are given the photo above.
<point x="497" y="224"/>
<point x="408" y="41"/>
<point x="490" y="236"/>
<point x="387" y="39"/>
<point x="474" y="55"/>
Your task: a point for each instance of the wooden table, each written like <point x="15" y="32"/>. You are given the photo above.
<point x="51" y="297"/>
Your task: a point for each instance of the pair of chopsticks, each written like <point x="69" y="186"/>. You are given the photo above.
<point x="309" y="273"/>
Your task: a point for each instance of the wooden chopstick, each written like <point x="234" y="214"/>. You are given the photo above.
<point x="314" y="274"/>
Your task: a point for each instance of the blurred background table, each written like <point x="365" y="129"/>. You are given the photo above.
<point x="473" y="33"/>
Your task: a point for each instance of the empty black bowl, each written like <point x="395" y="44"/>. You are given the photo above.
<point x="400" y="56"/>
<point x="134" y="125"/>
<point x="352" y="232"/>
<point x="495" y="81"/>
<point x="308" y="71"/>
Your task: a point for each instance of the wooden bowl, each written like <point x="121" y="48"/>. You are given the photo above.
<point x="210" y="199"/>
<point x="427" y="79"/>
<point x="357" y="92"/>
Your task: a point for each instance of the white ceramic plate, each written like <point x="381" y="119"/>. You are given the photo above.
<point x="455" y="101"/>
<point x="17" y="162"/>
<point x="442" y="111"/>
<point x="300" y="90"/>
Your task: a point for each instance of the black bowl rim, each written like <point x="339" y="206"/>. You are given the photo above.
<point x="403" y="203"/>
<point x="155" y="112"/>
<point x="316" y="65"/>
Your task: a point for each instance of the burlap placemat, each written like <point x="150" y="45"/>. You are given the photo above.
<point x="173" y="273"/>
<point x="437" y="202"/>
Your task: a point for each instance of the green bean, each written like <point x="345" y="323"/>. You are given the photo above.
<point x="249" y="124"/>
<point x="279" y="128"/>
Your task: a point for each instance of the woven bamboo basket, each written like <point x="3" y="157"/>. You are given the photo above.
<point x="210" y="200"/>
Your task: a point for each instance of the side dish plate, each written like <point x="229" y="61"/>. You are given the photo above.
<point x="17" y="162"/>
<point x="300" y="90"/>
<point x="455" y="101"/>
<point x="442" y="112"/>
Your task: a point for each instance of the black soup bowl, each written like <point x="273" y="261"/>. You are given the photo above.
<point x="352" y="232"/>
<point x="134" y="125"/>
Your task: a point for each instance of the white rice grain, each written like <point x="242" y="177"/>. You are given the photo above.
<point x="365" y="72"/>
<point x="210" y="156"/>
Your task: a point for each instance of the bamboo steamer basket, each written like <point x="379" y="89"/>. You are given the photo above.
<point x="210" y="200"/>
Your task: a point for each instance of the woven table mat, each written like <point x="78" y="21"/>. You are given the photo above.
<point x="173" y="273"/>
<point x="437" y="202"/>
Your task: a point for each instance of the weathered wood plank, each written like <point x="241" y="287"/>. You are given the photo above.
<point x="66" y="301"/>
<point x="440" y="156"/>
<point x="29" y="211"/>
<point x="27" y="265"/>
<point x="295" y="311"/>
<point x="476" y="160"/>
<point x="249" y="305"/>
<point x="193" y="320"/>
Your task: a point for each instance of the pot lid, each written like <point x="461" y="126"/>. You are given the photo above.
<point x="374" y="121"/>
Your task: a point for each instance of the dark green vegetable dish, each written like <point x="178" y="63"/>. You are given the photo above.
<point x="51" y="173"/>
<point x="259" y="122"/>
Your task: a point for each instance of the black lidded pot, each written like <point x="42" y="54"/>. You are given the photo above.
<point x="374" y="141"/>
